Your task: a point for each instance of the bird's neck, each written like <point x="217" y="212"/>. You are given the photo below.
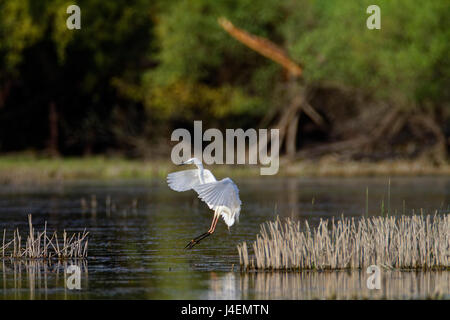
<point x="200" y="172"/>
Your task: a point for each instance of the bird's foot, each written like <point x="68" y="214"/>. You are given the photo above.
<point x="191" y="244"/>
<point x="197" y="240"/>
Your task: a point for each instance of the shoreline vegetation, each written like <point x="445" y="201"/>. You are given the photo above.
<point x="418" y="242"/>
<point x="44" y="245"/>
<point x="23" y="169"/>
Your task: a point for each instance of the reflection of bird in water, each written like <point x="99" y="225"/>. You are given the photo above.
<point x="223" y="287"/>
<point x="221" y="196"/>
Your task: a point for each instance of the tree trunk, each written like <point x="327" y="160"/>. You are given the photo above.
<point x="291" y="137"/>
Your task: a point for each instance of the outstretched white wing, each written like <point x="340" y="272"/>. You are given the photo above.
<point x="219" y="193"/>
<point x="188" y="179"/>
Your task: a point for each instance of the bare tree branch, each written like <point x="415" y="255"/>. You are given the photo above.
<point x="262" y="46"/>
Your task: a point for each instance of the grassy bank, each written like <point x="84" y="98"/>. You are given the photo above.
<point x="25" y="169"/>
<point x="17" y="169"/>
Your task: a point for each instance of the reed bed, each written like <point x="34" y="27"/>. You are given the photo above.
<point x="44" y="245"/>
<point x="405" y="242"/>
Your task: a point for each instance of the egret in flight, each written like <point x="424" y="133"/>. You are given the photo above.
<point x="221" y="196"/>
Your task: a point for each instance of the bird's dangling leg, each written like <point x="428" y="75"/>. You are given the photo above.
<point x="196" y="240"/>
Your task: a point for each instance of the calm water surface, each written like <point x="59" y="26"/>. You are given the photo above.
<point x="138" y="230"/>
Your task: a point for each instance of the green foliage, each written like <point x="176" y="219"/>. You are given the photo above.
<point x="83" y="72"/>
<point x="13" y="39"/>
<point x="163" y="62"/>
<point x="217" y="75"/>
<point x="405" y="62"/>
<point x="400" y="63"/>
<point x="188" y="100"/>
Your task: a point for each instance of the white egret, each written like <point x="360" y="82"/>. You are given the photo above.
<point x="221" y="196"/>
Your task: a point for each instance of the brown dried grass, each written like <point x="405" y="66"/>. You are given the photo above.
<point x="42" y="245"/>
<point x="405" y="242"/>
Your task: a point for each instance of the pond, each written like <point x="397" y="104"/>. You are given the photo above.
<point x="138" y="231"/>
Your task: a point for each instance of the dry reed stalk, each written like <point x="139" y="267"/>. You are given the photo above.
<point x="40" y="246"/>
<point x="406" y="242"/>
